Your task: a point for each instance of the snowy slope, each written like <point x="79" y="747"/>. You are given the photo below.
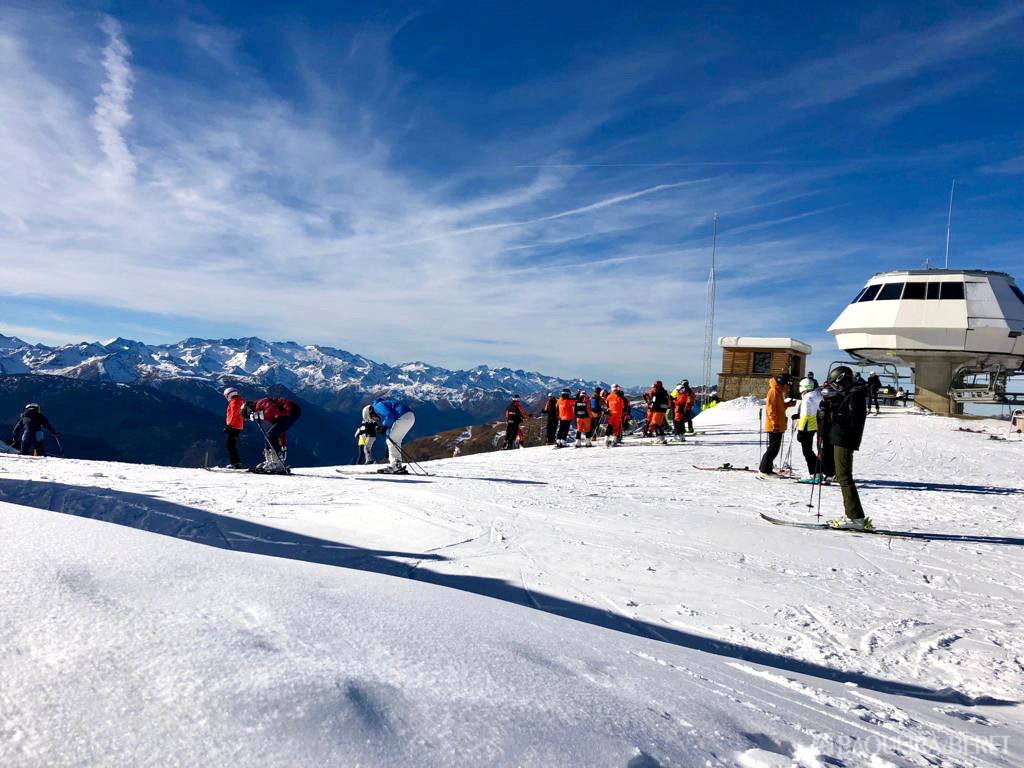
<point x="302" y="368"/>
<point x="585" y="607"/>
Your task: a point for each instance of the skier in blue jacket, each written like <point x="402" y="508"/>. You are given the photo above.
<point x="396" y="419"/>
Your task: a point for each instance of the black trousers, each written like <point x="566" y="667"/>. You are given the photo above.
<point x="873" y="400"/>
<point x="774" y="446"/>
<point x="806" y="440"/>
<point x="231" y="443"/>
<point x="563" y="429"/>
<point x="552" y="430"/>
<point x="688" y="419"/>
<point x="511" y="433"/>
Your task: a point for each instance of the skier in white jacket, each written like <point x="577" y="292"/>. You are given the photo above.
<point x="807" y="427"/>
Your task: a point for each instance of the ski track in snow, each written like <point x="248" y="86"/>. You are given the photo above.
<point x="655" y="546"/>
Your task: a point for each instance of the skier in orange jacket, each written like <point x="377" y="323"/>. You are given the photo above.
<point x="616" y="404"/>
<point x="566" y="411"/>
<point x="234" y="423"/>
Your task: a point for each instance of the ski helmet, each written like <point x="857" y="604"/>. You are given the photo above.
<point x="782" y="379"/>
<point x="616" y="387"/>
<point x="515" y="397"/>
<point x="230" y="392"/>
<point x="806" y="385"/>
<point x="686" y="383"/>
<point x="566" y="392"/>
<point x="32" y="407"/>
<point x="658" y="383"/>
<point x="840" y="376"/>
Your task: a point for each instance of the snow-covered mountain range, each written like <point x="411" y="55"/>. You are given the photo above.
<point x="319" y="373"/>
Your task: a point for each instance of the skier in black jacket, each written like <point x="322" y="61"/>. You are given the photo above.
<point x="841" y="419"/>
<point x="28" y="432"/>
<point x="874" y="386"/>
<point x="550" y="411"/>
<point x="514" y="417"/>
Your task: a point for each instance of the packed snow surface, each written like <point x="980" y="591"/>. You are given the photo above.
<point x="536" y="607"/>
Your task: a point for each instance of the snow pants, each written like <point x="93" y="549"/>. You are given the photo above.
<point x="806" y="439"/>
<point x="511" y="433"/>
<point x="563" y="429"/>
<point x="688" y="419"/>
<point x="231" y="444"/>
<point x="397" y="434"/>
<point x="774" y="446"/>
<point x="582" y="428"/>
<point x="844" y="476"/>
<point x="33" y="444"/>
<point x="366" y="450"/>
<point x="278" y="434"/>
<point x="614" y="426"/>
<point x="658" y="422"/>
<point x="552" y="431"/>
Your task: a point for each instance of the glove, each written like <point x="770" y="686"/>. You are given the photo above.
<point x="795" y="417"/>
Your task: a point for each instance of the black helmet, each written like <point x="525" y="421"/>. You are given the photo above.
<point x="782" y="379"/>
<point x="840" y="376"/>
<point x="566" y="391"/>
<point x="515" y="397"/>
<point x="686" y="383"/>
<point x="32" y="407"/>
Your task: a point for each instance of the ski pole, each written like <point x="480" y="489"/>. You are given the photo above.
<point x="269" y="444"/>
<point x="59" y="446"/>
<point x="401" y="453"/>
<point x="760" y="450"/>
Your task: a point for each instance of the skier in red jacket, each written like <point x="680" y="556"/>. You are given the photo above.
<point x="281" y="414"/>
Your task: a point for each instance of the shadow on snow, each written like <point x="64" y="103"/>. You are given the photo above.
<point x="915" y="485"/>
<point x="156" y="515"/>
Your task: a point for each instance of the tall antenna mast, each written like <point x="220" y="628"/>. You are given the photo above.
<point x="709" y="312"/>
<point x="949" y="220"/>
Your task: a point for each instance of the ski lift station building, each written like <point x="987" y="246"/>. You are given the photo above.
<point x="749" y="361"/>
<point x="946" y="325"/>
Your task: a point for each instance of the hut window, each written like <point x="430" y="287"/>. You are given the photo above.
<point x="763" y="362"/>
<point x="933" y="290"/>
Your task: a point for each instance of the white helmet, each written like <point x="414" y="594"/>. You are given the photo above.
<point x="230" y="392"/>
<point x="806" y="385"/>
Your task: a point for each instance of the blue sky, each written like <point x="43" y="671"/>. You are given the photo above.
<point x="523" y="184"/>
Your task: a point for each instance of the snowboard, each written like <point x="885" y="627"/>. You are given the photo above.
<point x="826" y="527"/>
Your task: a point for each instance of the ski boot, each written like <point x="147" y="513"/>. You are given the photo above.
<point x="393" y="469"/>
<point x="852" y="524"/>
<point x="608" y="443"/>
<point x="589" y="443"/>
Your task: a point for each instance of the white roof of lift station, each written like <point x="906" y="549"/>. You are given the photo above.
<point x="971" y="317"/>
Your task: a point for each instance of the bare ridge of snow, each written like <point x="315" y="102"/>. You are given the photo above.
<point x="610" y="607"/>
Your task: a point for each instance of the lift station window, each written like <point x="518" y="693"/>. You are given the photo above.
<point x="869" y="293"/>
<point x="762" y="362"/>
<point x="952" y="290"/>
<point x="933" y="290"/>
<point x="914" y="291"/>
<point x="890" y="291"/>
<point x="1017" y="293"/>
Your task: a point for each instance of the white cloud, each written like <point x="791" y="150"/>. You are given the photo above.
<point x="111" y="115"/>
<point x="250" y="212"/>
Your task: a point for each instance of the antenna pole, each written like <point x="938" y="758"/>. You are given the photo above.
<point x="709" y="313"/>
<point x="949" y="220"/>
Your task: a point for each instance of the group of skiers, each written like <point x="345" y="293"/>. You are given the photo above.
<point x="583" y="415"/>
<point x="829" y="427"/>
<point x="385" y="417"/>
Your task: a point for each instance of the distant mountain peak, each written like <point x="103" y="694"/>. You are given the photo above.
<point x="311" y="369"/>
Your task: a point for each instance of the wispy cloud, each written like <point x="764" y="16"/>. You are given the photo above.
<point x="111" y="115"/>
